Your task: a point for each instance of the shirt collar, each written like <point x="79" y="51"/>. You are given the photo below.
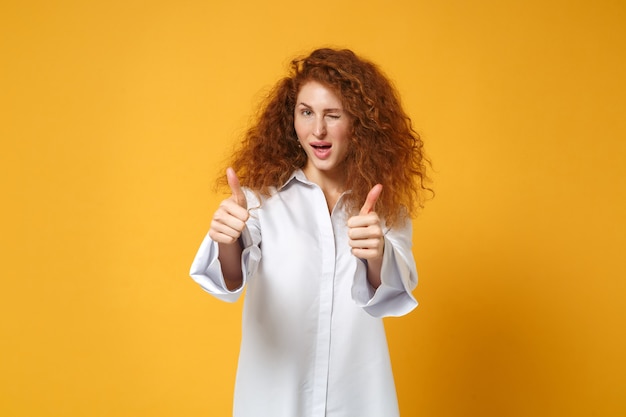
<point x="297" y="175"/>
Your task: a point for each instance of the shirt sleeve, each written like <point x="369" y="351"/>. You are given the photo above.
<point x="398" y="278"/>
<point x="206" y="269"/>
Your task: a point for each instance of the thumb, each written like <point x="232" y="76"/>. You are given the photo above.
<point x="235" y="188"/>
<point x="371" y="199"/>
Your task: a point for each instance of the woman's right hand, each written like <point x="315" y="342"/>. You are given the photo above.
<point x="230" y="218"/>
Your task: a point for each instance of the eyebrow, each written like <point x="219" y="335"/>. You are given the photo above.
<point x="325" y="110"/>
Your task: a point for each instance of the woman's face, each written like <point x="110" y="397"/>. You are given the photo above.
<point x="323" y="129"/>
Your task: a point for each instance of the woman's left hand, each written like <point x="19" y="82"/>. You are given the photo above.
<point x="365" y="231"/>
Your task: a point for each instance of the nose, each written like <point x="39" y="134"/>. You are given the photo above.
<point x="319" y="129"/>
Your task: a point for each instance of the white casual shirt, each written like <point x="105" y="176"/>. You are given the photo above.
<point x="313" y="342"/>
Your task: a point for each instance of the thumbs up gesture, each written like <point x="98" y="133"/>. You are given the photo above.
<point x="365" y="232"/>
<point x="230" y="218"/>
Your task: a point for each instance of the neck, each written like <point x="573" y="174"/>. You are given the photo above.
<point x="332" y="185"/>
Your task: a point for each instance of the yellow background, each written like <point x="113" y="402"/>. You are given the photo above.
<point x="115" y="114"/>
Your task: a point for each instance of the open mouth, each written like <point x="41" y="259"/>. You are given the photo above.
<point x="321" y="150"/>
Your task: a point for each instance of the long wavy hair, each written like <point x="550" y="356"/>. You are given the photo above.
<point x="384" y="147"/>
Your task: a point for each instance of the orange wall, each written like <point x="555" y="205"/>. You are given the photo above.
<point x="114" y="115"/>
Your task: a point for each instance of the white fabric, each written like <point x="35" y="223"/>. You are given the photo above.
<point x="313" y="342"/>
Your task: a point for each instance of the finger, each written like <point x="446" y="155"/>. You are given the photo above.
<point x="367" y="232"/>
<point x="363" y="220"/>
<point x="230" y="207"/>
<point x="226" y="220"/>
<point x="220" y="237"/>
<point x="231" y="230"/>
<point x="369" y="243"/>
<point x="235" y="188"/>
<point x="366" y="253"/>
<point x="371" y="199"/>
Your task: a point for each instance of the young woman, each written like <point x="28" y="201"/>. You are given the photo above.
<point x="318" y="230"/>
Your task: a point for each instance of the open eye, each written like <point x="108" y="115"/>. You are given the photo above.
<point x="306" y="112"/>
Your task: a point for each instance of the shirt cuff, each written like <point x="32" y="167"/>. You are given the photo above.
<point x="206" y="269"/>
<point x="393" y="297"/>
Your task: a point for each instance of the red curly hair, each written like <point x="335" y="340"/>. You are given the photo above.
<point x="384" y="147"/>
